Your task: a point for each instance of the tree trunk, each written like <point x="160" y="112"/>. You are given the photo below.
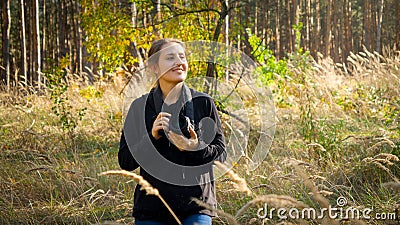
<point x="256" y="18"/>
<point x="307" y="7"/>
<point x="6" y="42"/>
<point x="23" y="41"/>
<point x="61" y="30"/>
<point x="157" y="11"/>
<point x="366" y="25"/>
<point x="227" y="39"/>
<point x="350" y="43"/>
<point x="397" y="26"/>
<point x="44" y="39"/>
<point x="224" y="12"/>
<point x="374" y="27"/>
<point x="52" y="51"/>
<point x="328" y="30"/>
<point x="36" y="42"/>
<point x="247" y="47"/>
<point x="294" y="21"/>
<point x="30" y="52"/>
<point x="345" y="50"/>
<point x="277" y="31"/>
<point x="335" y="31"/>
<point x="134" y="14"/>
<point x="288" y="28"/>
<point x="33" y="41"/>
<point x="74" y="39"/>
<point x="78" y="40"/>
<point x="133" y="46"/>
<point x="379" y="25"/>
<point x="316" y="30"/>
<point x="264" y="15"/>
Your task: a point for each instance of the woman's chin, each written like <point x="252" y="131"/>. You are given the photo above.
<point x="180" y="78"/>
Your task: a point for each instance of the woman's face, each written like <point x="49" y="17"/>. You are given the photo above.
<point x="172" y="64"/>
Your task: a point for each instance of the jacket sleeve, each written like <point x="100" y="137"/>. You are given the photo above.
<point x="125" y="158"/>
<point x="216" y="149"/>
<point x="135" y="139"/>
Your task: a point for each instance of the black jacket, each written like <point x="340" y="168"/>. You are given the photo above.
<point x="178" y="176"/>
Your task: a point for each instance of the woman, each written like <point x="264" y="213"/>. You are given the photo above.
<point x="173" y="133"/>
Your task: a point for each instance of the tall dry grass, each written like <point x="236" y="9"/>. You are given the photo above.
<point x="144" y="185"/>
<point x="351" y="151"/>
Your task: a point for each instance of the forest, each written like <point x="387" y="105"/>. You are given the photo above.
<point x="321" y="106"/>
<point x="93" y="36"/>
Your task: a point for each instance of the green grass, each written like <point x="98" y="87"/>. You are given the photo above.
<point x="49" y="176"/>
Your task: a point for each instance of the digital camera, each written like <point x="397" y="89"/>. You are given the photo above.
<point x="180" y="125"/>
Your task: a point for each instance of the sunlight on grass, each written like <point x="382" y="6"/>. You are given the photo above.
<point x="337" y="136"/>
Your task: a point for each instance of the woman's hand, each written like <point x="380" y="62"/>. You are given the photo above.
<point x="183" y="143"/>
<point x="160" y="123"/>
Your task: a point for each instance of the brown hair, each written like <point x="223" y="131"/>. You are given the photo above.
<point x="157" y="45"/>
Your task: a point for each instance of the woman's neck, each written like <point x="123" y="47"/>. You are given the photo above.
<point x="171" y="92"/>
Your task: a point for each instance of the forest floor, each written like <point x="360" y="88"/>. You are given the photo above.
<point x="337" y="139"/>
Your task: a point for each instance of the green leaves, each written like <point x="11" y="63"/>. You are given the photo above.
<point x="272" y="72"/>
<point x="62" y="108"/>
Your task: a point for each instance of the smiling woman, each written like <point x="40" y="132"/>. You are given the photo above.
<point x="163" y="136"/>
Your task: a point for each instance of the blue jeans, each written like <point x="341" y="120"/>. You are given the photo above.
<point x="199" y="219"/>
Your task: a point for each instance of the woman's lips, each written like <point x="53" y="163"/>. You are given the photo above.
<point x="177" y="69"/>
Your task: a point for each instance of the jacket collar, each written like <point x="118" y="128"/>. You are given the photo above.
<point x="184" y="101"/>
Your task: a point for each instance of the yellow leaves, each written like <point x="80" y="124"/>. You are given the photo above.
<point x="91" y="92"/>
<point x="65" y="62"/>
<point x="118" y="115"/>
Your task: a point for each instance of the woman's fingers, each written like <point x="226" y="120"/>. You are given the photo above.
<point x="177" y="140"/>
<point x="180" y="141"/>
<point x="192" y="133"/>
<point x="183" y="143"/>
<point x="161" y="122"/>
<point x="163" y="114"/>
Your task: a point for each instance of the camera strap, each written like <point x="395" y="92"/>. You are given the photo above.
<point x="188" y="108"/>
<point x="185" y="102"/>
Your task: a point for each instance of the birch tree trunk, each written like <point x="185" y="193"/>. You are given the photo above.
<point x="379" y="26"/>
<point x="78" y="40"/>
<point x="37" y="42"/>
<point x="227" y="39"/>
<point x="44" y="49"/>
<point x="23" y="41"/>
<point x="328" y="30"/>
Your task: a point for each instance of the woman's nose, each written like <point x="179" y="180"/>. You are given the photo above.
<point x="179" y="61"/>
